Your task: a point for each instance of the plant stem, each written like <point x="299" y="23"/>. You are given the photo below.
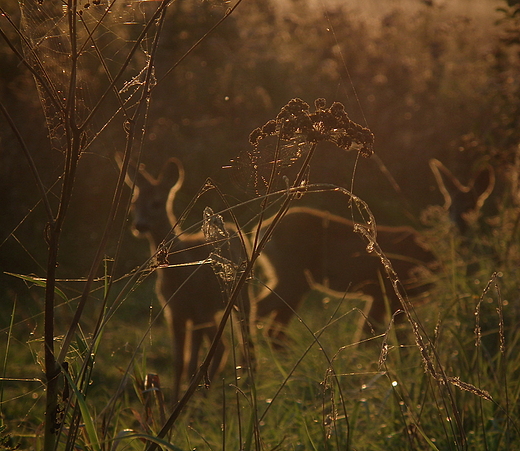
<point x="51" y="369"/>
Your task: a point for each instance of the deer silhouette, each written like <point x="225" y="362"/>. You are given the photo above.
<point x="311" y="244"/>
<point x="192" y="268"/>
<point x="463" y="202"/>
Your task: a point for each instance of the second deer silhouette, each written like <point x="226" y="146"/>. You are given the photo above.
<point x="187" y="286"/>
<point x="310" y="242"/>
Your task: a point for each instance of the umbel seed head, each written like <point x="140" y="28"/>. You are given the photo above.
<point x="295" y="122"/>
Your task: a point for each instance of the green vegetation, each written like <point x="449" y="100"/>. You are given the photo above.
<point x="84" y="351"/>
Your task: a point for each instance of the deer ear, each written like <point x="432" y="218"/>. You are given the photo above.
<point x="446" y="182"/>
<point x="483" y="185"/>
<point x="172" y="174"/>
<point x="118" y="156"/>
<point x="135" y="175"/>
<point x="463" y="200"/>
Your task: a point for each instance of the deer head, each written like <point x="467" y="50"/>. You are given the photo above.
<point x="463" y="202"/>
<point x="153" y="198"/>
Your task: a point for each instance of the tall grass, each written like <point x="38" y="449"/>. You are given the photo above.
<point x="82" y="369"/>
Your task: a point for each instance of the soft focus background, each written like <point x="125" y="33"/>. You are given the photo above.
<point x="430" y="78"/>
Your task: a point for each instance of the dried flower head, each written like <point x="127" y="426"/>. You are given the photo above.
<point x="295" y="122"/>
<point x="320" y="104"/>
<point x="255" y="136"/>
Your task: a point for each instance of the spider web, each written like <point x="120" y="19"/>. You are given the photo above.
<point x="75" y="54"/>
<point x="252" y="169"/>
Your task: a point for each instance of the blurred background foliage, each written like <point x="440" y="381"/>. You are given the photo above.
<point x="429" y="79"/>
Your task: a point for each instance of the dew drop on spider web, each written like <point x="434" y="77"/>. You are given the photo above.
<point x="213" y="226"/>
<point x="67" y="91"/>
<point x="217" y="235"/>
<point x="267" y="162"/>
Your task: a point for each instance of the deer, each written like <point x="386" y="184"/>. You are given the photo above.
<point x="463" y="202"/>
<point x="189" y="291"/>
<point x="310" y="247"/>
<point x="314" y="248"/>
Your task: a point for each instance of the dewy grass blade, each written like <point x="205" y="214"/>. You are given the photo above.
<point x="40" y="282"/>
<point x="88" y="420"/>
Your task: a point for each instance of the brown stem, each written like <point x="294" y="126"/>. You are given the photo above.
<point x="51" y="369"/>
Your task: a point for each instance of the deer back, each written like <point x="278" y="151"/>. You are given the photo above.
<point x="313" y="242"/>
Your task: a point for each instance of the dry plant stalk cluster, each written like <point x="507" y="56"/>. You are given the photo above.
<point x="296" y="122"/>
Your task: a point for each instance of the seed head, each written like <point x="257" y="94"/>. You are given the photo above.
<point x="295" y="122"/>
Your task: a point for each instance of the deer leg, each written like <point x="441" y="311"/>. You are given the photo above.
<point x="179" y="340"/>
<point x="218" y="357"/>
<point x="278" y="315"/>
<point x="279" y="306"/>
<point x="244" y="320"/>
<point x="196" y="341"/>
<point x="280" y="320"/>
